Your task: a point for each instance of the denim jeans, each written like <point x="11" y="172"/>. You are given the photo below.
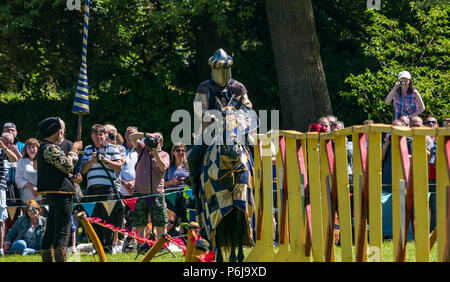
<point x="58" y="221"/>
<point x="21" y="246"/>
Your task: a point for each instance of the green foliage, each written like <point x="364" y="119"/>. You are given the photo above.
<point x="420" y="45"/>
<point x="143" y="59"/>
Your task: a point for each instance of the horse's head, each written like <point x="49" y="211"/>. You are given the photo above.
<point x="232" y="147"/>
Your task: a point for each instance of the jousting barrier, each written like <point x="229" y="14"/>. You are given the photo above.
<point x="196" y="250"/>
<point x="313" y="193"/>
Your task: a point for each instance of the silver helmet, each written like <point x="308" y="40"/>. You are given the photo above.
<point x="220" y="64"/>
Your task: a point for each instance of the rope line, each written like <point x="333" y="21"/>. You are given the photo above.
<point x="135" y="235"/>
<point x="105" y="195"/>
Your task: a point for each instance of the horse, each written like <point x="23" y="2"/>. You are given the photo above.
<point x="225" y="204"/>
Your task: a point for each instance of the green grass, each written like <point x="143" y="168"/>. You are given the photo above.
<point x="131" y="257"/>
<point x="120" y="257"/>
<point x="388" y="252"/>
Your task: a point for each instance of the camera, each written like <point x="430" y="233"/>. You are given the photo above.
<point x="98" y="156"/>
<point x="402" y="82"/>
<point x="151" y="142"/>
<point x="112" y="136"/>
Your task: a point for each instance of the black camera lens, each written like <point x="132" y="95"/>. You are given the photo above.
<point x="151" y="142"/>
<point x="111" y="136"/>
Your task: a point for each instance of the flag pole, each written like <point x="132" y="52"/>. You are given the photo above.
<point x="79" y="126"/>
<point x="81" y="100"/>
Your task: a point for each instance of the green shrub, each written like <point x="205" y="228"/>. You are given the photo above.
<point x="421" y="46"/>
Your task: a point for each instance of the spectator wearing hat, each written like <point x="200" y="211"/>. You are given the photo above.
<point x="54" y="182"/>
<point x="11" y="128"/>
<point x="6" y="143"/>
<point x="17" y="148"/>
<point x="27" y="232"/>
<point x="407" y="100"/>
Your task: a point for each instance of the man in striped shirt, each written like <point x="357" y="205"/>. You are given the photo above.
<point x="100" y="162"/>
<point x="6" y="154"/>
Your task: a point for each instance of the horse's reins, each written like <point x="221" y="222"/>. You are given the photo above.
<point x="233" y="169"/>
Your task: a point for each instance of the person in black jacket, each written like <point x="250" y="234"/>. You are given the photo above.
<point x="53" y="168"/>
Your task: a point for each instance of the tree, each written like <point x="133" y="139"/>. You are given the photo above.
<point x="301" y="79"/>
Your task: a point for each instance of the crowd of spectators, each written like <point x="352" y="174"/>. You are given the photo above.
<point x="112" y="168"/>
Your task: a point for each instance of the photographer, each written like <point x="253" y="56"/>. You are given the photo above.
<point x="100" y="162"/>
<point x="150" y="169"/>
<point x="407" y="100"/>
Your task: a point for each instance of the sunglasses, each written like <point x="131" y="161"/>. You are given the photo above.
<point x="431" y="122"/>
<point x="179" y="150"/>
<point x="32" y="209"/>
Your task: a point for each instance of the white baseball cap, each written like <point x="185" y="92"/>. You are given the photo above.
<point x="404" y="74"/>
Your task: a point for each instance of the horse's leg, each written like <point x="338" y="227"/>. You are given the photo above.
<point x="241" y="223"/>
<point x="219" y="257"/>
<point x="232" y="252"/>
<point x="218" y="241"/>
<point x="240" y="257"/>
<point x="236" y="234"/>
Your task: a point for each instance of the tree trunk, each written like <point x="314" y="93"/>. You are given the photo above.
<point x="207" y="41"/>
<point x="301" y="79"/>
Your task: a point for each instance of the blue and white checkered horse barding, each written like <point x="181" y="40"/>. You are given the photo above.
<point x="216" y="201"/>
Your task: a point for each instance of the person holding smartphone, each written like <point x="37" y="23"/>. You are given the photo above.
<point x="406" y="99"/>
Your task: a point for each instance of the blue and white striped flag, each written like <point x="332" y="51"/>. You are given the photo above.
<point x="81" y="100"/>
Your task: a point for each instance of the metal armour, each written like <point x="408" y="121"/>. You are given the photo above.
<point x="220" y="64"/>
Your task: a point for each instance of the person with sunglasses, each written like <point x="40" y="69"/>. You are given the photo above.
<point x="431" y="122"/>
<point x="446" y="122"/>
<point x="406" y="99"/>
<point x="27" y="232"/>
<point x="178" y="170"/>
<point x="174" y="179"/>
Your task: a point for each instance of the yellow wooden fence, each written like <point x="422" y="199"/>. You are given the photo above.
<point x="316" y="163"/>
